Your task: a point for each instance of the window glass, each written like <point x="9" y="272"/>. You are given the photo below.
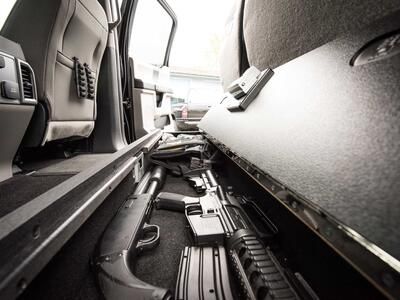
<point x="195" y="53"/>
<point x="198" y="40"/>
<point x="150" y="33"/>
<point x="6" y="7"/>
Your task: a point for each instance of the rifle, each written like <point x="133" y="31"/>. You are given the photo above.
<point x="227" y="242"/>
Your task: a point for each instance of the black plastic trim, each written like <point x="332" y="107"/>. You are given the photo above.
<point x="174" y="27"/>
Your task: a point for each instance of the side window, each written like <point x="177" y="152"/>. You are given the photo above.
<point x="150" y="33"/>
<point x="6" y="7"/>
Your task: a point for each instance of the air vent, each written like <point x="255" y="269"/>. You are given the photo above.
<point x="27" y="82"/>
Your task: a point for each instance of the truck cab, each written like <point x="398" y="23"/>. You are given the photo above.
<point x="273" y="174"/>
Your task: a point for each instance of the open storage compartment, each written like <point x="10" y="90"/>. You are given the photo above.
<point x="257" y="245"/>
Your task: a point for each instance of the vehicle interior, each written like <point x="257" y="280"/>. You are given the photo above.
<point x="286" y="188"/>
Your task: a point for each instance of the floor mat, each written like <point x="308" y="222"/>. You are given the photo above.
<point x="73" y="165"/>
<point x="21" y="189"/>
<point x="160" y="266"/>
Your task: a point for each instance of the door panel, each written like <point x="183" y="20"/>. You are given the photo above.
<point x="151" y="98"/>
<point x="152" y="33"/>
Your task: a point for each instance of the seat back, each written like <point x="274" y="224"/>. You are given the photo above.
<point x="323" y="127"/>
<point x="276" y="32"/>
<point x="64" y="41"/>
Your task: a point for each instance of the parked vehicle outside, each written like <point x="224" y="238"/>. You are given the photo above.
<point x="177" y="103"/>
<point x="198" y="102"/>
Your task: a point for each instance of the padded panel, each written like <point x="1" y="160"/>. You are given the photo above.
<point x="330" y="132"/>
<point x="278" y="31"/>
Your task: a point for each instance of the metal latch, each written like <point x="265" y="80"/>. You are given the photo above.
<point x="246" y="88"/>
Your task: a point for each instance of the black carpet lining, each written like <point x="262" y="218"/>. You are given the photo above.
<point x="160" y="266"/>
<point x="73" y="165"/>
<point x="21" y="189"/>
<point x="47" y="174"/>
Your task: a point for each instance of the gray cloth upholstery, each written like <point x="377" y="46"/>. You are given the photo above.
<point x="52" y="33"/>
<point x="276" y="32"/>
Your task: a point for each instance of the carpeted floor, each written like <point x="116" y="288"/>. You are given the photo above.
<point x="72" y="165"/>
<point x="160" y="266"/>
<point x="21" y="189"/>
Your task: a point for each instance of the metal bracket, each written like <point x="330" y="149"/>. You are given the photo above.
<point x="245" y="89"/>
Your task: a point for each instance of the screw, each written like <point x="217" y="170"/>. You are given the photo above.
<point x="22" y="284"/>
<point x="36" y="232"/>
